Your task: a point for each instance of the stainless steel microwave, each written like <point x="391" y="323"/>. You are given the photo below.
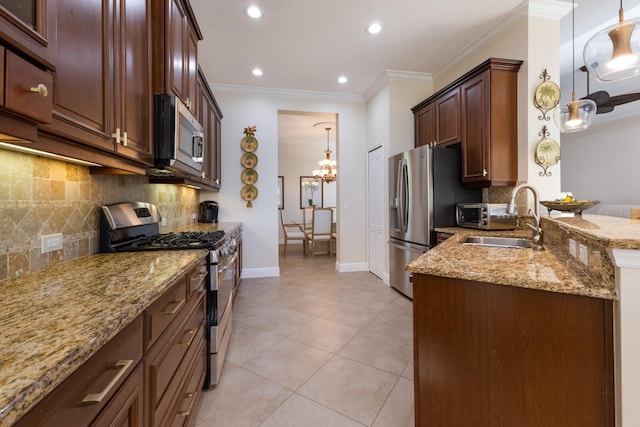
<point x="485" y="216"/>
<point x="178" y="137"/>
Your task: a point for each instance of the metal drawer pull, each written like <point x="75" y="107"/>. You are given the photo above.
<point x="187" y="413"/>
<point x="94" y="398"/>
<point x="189" y="332"/>
<point x="116" y="135"/>
<point x="41" y="90"/>
<point x="178" y="305"/>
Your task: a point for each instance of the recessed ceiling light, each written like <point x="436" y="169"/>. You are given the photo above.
<point x="342" y="80"/>
<point x="374" y="28"/>
<point x="254" y="12"/>
<point x="256" y="72"/>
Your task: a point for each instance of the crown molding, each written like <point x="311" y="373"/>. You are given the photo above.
<point x="287" y="93"/>
<point x="396" y="75"/>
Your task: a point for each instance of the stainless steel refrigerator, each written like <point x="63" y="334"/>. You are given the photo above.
<point x="425" y="184"/>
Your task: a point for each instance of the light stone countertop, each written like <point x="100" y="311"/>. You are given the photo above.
<point x="55" y="319"/>
<point x="550" y="270"/>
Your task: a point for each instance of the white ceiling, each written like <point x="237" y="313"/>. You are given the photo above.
<point x="305" y="45"/>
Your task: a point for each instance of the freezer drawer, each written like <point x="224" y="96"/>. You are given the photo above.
<point x="401" y="254"/>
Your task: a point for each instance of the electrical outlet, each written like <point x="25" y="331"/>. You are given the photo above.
<point x="572" y="248"/>
<point x="163" y="222"/>
<point x="583" y="254"/>
<point x="50" y="243"/>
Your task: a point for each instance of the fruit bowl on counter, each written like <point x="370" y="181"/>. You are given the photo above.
<point x="576" y="206"/>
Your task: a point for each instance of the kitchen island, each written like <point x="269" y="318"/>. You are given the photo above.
<point x="519" y="337"/>
<point x="55" y="319"/>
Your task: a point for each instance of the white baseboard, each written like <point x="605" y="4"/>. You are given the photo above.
<point x="252" y="273"/>
<point x="351" y="267"/>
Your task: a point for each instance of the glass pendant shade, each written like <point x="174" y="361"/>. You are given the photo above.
<point x="614" y="53"/>
<point x="576" y="115"/>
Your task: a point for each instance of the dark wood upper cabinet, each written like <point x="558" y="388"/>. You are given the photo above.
<point x="176" y="55"/>
<point x="102" y="95"/>
<point x="490" y="126"/>
<point x="479" y="110"/>
<point x="438" y="121"/>
<point x="210" y="116"/>
<point x="30" y="26"/>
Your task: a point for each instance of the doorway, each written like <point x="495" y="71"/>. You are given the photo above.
<point x="302" y="141"/>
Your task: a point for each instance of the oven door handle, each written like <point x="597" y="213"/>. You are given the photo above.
<point x="228" y="263"/>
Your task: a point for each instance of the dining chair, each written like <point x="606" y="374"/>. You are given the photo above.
<point x="307" y="214"/>
<point x="292" y="231"/>
<point x="321" y="220"/>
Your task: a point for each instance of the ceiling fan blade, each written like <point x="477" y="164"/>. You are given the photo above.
<point x="622" y="99"/>
<point x="600" y="97"/>
<point x="604" y="109"/>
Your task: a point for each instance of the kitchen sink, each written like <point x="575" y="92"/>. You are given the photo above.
<point x="498" y="242"/>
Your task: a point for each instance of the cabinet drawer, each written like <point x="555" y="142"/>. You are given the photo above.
<point x="27" y="89"/>
<point x="196" y="278"/>
<point x="162" y="312"/>
<point x="85" y="392"/>
<point x="163" y="362"/>
<point x="188" y="396"/>
<point x="125" y="409"/>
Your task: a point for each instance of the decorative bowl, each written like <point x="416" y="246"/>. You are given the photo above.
<point x="576" y="206"/>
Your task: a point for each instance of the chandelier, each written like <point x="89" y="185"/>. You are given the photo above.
<point x="327" y="171"/>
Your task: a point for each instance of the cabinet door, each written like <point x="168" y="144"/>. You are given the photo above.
<point x="178" y="32"/>
<point x="210" y="121"/>
<point x="448" y="118"/>
<point x="134" y="71"/>
<point x="191" y="61"/>
<point x="476" y="161"/>
<point x="30" y="25"/>
<point x="125" y="409"/>
<point x="84" y="79"/>
<point x="425" y="125"/>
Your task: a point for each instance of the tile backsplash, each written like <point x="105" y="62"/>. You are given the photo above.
<point x="40" y="196"/>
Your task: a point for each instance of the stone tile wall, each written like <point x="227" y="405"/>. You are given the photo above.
<point x="40" y="196"/>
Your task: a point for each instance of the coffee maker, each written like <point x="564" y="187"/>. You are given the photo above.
<point x="208" y="211"/>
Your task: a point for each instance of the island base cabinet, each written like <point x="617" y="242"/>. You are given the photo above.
<point x="493" y="355"/>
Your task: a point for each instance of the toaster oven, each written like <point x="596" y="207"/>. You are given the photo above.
<point x="485" y="216"/>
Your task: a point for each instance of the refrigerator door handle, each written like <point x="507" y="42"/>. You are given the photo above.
<point x="405" y="196"/>
<point x="400" y="197"/>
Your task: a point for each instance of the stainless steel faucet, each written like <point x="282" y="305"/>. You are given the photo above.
<point x="537" y="235"/>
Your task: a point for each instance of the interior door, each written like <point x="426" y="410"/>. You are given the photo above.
<point x="376" y="192"/>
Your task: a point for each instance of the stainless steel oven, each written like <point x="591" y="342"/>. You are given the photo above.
<point x="134" y="226"/>
<point x="223" y="285"/>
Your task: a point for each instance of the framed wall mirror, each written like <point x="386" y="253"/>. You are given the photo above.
<point x="280" y="194"/>
<point x="310" y="192"/>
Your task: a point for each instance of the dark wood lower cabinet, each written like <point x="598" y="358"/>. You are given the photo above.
<point x="134" y="381"/>
<point x="492" y="355"/>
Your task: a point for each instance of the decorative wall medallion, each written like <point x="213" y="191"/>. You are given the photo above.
<point x="547" y="96"/>
<point x="249" y="176"/>
<point x="547" y="152"/>
<point x="249" y="193"/>
<point x="249" y="160"/>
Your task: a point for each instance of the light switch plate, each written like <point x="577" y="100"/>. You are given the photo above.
<point x="50" y="243"/>
<point x="572" y="248"/>
<point x="583" y="254"/>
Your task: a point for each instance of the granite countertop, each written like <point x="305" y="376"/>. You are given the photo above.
<point x="550" y="270"/>
<point x="227" y="226"/>
<point x="55" y="319"/>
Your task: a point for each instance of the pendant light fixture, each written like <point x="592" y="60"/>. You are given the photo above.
<point x="327" y="171"/>
<point x="577" y="115"/>
<point x="614" y="53"/>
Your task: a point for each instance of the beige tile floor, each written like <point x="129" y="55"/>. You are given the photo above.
<point x="313" y="348"/>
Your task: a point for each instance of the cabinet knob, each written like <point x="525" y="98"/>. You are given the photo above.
<point x="218" y="181"/>
<point x="484" y="172"/>
<point x="116" y="135"/>
<point x="125" y="140"/>
<point x="41" y="90"/>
